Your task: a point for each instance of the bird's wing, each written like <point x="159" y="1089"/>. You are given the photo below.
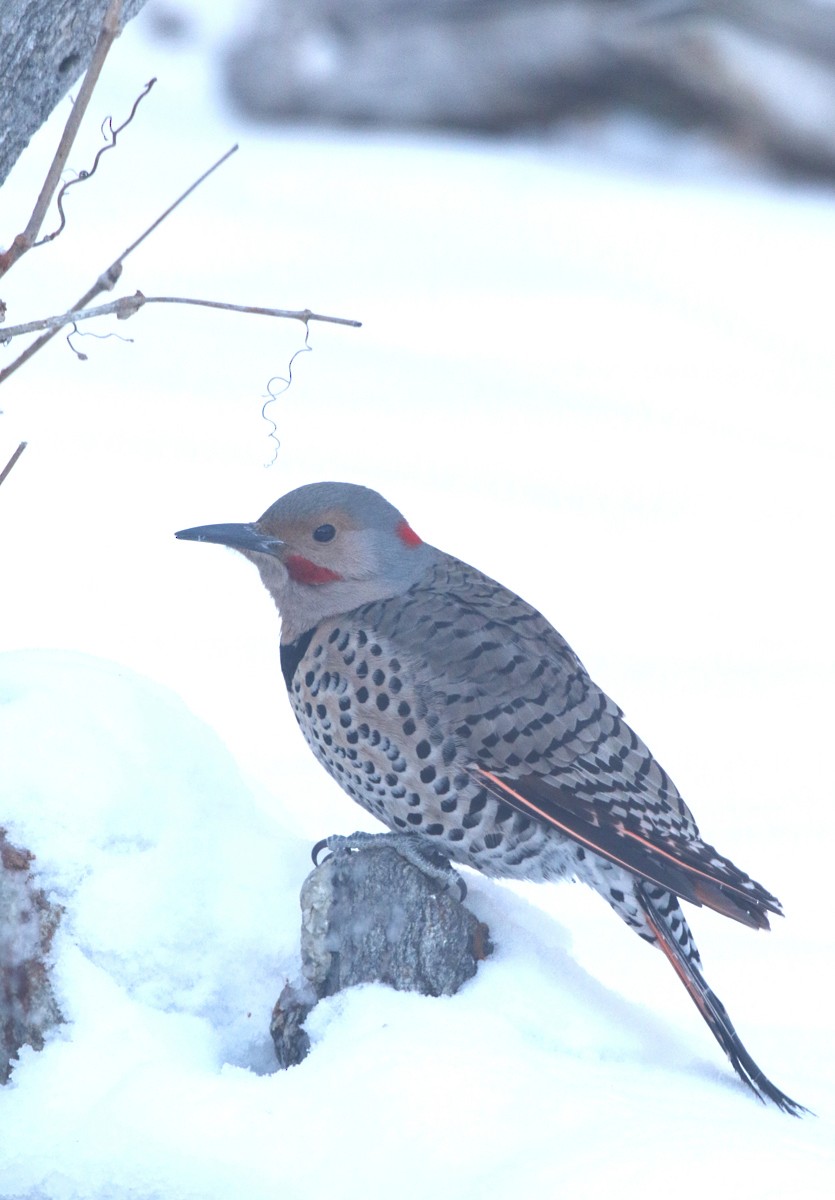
<point x="690" y="868"/>
<point x="545" y="740"/>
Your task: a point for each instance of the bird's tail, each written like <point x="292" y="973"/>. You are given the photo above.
<point x="686" y="965"/>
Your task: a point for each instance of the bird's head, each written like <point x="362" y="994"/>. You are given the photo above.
<point x="325" y="549"/>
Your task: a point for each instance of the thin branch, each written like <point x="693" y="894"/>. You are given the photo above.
<point x="303" y="314"/>
<point x="107" y="35"/>
<point x="12" y="461"/>
<point x="118" y="262"/>
<point x="110" y="277"/>
<point x="125" y="307"/>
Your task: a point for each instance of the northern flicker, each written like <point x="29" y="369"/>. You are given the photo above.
<point x="455" y="713"/>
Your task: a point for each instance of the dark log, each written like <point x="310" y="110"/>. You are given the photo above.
<point x="759" y="77"/>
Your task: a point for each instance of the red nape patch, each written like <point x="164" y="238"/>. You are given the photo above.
<point x="305" y="571"/>
<point x="407" y="534"/>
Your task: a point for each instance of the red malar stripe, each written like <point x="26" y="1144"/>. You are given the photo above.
<point x="305" y="571"/>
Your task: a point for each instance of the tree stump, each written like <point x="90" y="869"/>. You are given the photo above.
<point x="370" y="916"/>
<point x="28" y="1009"/>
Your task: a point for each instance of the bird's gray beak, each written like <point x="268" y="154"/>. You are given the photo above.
<point x="239" y="537"/>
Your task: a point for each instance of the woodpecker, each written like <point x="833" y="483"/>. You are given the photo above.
<point x="456" y="714"/>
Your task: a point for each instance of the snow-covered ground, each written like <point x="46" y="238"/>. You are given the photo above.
<point x="610" y="388"/>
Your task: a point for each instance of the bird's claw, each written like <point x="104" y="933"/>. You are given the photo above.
<point x="425" y="858"/>
<point x="317" y="850"/>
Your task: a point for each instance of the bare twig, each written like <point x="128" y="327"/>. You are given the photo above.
<point x="117" y="264"/>
<point x="110" y="277"/>
<point x="85" y="175"/>
<point x="107" y="35"/>
<point x="12" y="461"/>
<point x="126" y="306"/>
<point x="303" y="314"/>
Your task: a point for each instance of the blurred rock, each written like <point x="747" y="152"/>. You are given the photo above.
<point x="760" y="77"/>
<point x="27" y="923"/>
<point x="370" y="916"/>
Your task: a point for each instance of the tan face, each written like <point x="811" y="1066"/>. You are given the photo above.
<point x="330" y="545"/>
<point x="321" y="548"/>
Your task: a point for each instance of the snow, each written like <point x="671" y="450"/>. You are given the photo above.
<point x="607" y="386"/>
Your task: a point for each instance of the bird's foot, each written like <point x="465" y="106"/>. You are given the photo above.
<point x="415" y="849"/>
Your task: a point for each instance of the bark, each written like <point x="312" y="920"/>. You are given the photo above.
<point x="45" y="48"/>
<point x="28" y="1009"/>
<point x="370" y="916"/>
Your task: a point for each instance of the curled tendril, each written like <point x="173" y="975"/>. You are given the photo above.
<point x="76" y="332"/>
<point x="107" y="131"/>
<point x="274" y="392"/>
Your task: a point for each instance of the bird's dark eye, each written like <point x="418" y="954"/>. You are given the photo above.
<point x="325" y="533"/>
